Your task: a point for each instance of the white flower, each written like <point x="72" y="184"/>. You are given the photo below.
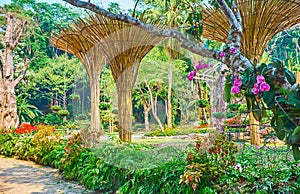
<point x="238" y="167"/>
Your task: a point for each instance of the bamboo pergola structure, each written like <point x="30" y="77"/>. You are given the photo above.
<point x="70" y="40"/>
<point x="262" y="20"/>
<point x="123" y="47"/>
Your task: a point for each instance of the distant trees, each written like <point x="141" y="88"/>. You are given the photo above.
<point x="26" y="27"/>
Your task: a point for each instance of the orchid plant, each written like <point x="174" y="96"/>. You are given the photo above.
<point x="199" y="66"/>
<point x="264" y="89"/>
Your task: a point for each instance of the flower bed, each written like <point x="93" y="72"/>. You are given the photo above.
<point x="251" y="170"/>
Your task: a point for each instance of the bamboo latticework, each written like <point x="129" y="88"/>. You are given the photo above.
<point x="262" y="19"/>
<point x="123" y="46"/>
<point x="70" y="40"/>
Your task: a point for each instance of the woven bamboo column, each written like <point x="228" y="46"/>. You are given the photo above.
<point x="261" y="21"/>
<point x="124" y="46"/>
<point x="71" y="41"/>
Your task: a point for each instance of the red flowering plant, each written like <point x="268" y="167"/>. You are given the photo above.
<point x="25" y="128"/>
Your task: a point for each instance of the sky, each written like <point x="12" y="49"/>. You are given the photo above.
<point x="124" y="4"/>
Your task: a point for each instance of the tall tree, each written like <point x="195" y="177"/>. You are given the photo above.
<point x="152" y="84"/>
<point x="171" y="14"/>
<point x="8" y="105"/>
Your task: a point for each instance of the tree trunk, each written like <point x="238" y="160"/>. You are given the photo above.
<point x="83" y="98"/>
<point x="146" y="115"/>
<point x="124" y="89"/>
<point x="202" y="113"/>
<point x="154" y="108"/>
<point x="8" y="103"/>
<point x="147" y="108"/>
<point x="254" y="130"/>
<point x="169" y="103"/>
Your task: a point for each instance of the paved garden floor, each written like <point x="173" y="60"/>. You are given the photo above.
<point x="24" y="177"/>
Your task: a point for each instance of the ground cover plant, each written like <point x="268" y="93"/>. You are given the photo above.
<point x="222" y="167"/>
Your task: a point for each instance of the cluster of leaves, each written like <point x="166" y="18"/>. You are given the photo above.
<point x="262" y="170"/>
<point x="44" y="141"/>
<point x="176" y="131"/>
<point x="205" y="168"/>
<point x="233" y="121"/>
<point x="202" y="102"/>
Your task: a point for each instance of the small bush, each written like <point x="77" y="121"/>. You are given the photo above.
<point x="44" y="141"/>
<point x="63" y="113"/>
<point x="56" y="108"/>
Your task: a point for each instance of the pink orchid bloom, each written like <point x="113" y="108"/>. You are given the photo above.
<point x="190" y="77"/>
<point x="235" y="90"/>
<point x="255" y="91"/>
<point x="233" y="50"/>
<point x="194" y="72"/>
<point x="222" y="54"/>
<point x="260" y="79"/>
<point x="205" y="66"/>
<point x="237" y="78"/>
<point x="200" y="61"/>
<point x="200" y="66"/>
<point x="237" y="83"/>
<point x="264" y="86"/>
<point x="256" y="85"/>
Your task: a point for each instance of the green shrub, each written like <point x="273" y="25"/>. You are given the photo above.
<point x="44" y="141"/>
<point x="7" y="143"/>
<point x="56" y="108"/>
<point x="24" y="149"/>
<point x="140" y="170"/>
<point x="51" y="119"/>
<point x="177" y="131"/>
<point x="54" y="157"/>
<point x="262" y="170"/>
<point x="63" y="113"/>
<point x="206" y="166"/>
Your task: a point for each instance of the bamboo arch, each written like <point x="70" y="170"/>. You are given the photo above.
<point x="123" y="47"/>
<point x="261" y="21"/>
<point x="91" y="57"/>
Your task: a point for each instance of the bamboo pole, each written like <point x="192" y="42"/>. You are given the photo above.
<point x="93" y="62"/>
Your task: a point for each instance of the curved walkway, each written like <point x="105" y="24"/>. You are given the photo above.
<point x="24" y="177"/>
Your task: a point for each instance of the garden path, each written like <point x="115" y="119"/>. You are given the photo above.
<point x="24" y="177"/>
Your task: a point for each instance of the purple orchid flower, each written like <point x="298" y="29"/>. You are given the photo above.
<point x="235" y="90"/>
<point x="222" y="54"/>
<point x="264" y="86"/>
<point x="260" y="79"/>
<point x="232" y="51"/>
